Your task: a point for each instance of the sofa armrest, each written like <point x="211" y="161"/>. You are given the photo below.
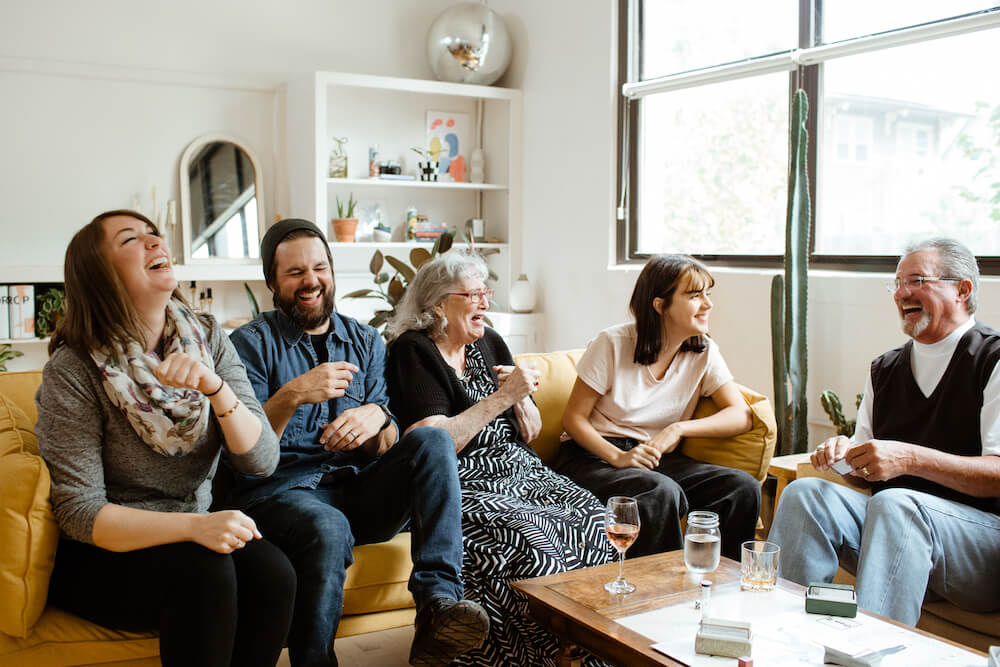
<point x="20" y="387"/>
<point x="750" y="451"/>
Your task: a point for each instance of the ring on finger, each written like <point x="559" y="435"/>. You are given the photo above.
<point x="354" y="435"/>
<point x="864" y="471"/>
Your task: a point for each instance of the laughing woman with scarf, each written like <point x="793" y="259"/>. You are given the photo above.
<point x="137" y="401"/>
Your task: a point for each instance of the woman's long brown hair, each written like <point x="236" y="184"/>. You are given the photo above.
<point x="661" y="277"/>
<point x="98" y="308"/>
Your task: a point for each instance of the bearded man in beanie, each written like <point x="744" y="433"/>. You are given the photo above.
<point x="345" y="477"/>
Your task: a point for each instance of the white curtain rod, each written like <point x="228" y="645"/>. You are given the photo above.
<point x="790" y="60"/>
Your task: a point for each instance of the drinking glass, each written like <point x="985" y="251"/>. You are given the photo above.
<point x="759" y="565"/>
<point x="702" y="542"/>
<point x="621" y="522"/>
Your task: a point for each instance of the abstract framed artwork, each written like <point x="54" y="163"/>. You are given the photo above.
<point x="449" y="142"/>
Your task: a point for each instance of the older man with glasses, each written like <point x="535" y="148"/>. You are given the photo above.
<point x="927" y="445"/>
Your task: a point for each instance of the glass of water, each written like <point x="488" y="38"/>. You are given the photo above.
<point x="702" y="542"/>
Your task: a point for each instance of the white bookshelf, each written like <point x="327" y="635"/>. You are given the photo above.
<point x="391" y="113"/>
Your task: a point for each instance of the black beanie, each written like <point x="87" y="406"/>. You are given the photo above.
<point x="277" y="232"/>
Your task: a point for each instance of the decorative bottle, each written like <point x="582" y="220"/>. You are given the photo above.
<point x="522" y="295"/>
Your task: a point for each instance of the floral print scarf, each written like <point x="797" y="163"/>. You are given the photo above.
<point x="168" y="419"/>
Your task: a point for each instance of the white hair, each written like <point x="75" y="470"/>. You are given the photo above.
<point x="431" y="286"/>
<point x="954" y="261"/>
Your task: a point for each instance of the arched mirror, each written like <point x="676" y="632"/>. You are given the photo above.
<point x="222" y="209"/>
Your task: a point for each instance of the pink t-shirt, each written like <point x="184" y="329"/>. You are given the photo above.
<point x="634" y="404"/>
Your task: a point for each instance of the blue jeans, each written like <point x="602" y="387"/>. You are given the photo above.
<point x="901" y="544"/>
<point x="415" y="481"/>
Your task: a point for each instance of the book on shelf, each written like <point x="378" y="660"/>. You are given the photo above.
<point x="4" y="312"/>
<point x="396" y="177"/>
<point x="21" y="311"/>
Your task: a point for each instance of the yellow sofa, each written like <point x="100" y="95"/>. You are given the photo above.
<point x="980" y="631"/>
<point x="376" y="596"/>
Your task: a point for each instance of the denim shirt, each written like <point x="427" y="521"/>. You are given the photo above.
<point x="275" y="351"/>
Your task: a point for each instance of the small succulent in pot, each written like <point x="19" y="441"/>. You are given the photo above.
<point x="346" y="209"/>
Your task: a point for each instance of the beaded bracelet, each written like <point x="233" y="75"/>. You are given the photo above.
<point x="230" y="410"/>
<point x="221" y="385"/>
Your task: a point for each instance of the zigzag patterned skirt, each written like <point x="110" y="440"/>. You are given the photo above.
<point x="520" y="520"/>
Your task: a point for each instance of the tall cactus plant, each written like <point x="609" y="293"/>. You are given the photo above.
<point x="789" y="296"/>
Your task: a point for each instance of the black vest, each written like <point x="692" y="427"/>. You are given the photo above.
<point x="948" y="419"/>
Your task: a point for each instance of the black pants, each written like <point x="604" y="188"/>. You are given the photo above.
<point x="666" y="493"/>
<point x="210" y="609"/>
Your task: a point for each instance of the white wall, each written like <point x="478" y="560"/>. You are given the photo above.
<point x="101" y="98"/>
<point x="76" y="145"/>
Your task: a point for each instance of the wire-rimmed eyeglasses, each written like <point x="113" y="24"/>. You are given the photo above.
<point x="478" y="295"/>
<point x="912" y="283"/>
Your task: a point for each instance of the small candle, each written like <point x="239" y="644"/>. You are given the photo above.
<point x="706" y="592"/>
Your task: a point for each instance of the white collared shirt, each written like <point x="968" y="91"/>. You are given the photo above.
<point x="928" y="362"/>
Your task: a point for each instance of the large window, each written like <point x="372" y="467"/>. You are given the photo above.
<point x="904" y="126"/>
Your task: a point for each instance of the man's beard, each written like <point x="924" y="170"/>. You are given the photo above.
<point x="914" y="329"/>
<point x="304" y="318"/>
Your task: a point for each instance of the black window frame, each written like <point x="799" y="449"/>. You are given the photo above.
<point x="808" y="78"/>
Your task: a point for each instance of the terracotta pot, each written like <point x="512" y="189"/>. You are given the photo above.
<point x="344" y="228"/>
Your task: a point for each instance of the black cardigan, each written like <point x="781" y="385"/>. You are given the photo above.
<point x="422" y="384"/>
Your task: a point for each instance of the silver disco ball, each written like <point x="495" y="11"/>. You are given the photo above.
<point x="468" y="43"/>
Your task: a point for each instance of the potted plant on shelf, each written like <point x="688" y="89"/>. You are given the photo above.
<point x="51" y="306"/>
<point x="345" y="224"/>
<point x="427" y="167"/>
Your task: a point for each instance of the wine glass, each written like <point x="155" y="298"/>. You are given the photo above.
<point x="621" y="522"/>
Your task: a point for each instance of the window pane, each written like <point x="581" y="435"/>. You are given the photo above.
<point x="844" y="19"/>
<point x="911" y="148"/>
<point x="681" y="35"/>
<point x="712" y="168"/>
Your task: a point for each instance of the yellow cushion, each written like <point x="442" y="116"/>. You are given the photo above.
<point x="750" y="451"/>
<point x="61" y="638"/>
<point x="377" y="581"/>
<point x="28" y="530"/>
<point x="20" y="387"/>
<point x="558" y="371"/>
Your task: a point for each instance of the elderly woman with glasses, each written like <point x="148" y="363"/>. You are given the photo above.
<point x="519" y="519"/>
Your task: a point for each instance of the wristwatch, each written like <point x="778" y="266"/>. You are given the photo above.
<point x="388" y="417"/>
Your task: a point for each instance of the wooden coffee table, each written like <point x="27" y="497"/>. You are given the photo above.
<point x="577" y="609"/>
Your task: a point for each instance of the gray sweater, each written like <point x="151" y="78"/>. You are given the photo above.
<point x="95" y="457"/>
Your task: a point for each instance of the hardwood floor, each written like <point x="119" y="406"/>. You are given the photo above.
<point x="388" y="648"/>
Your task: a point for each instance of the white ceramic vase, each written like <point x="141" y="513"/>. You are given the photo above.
<point x="477" y="167"/>
<point x="522" y="295"/>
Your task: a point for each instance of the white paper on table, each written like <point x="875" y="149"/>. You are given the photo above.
<point x="784" y="634"/>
